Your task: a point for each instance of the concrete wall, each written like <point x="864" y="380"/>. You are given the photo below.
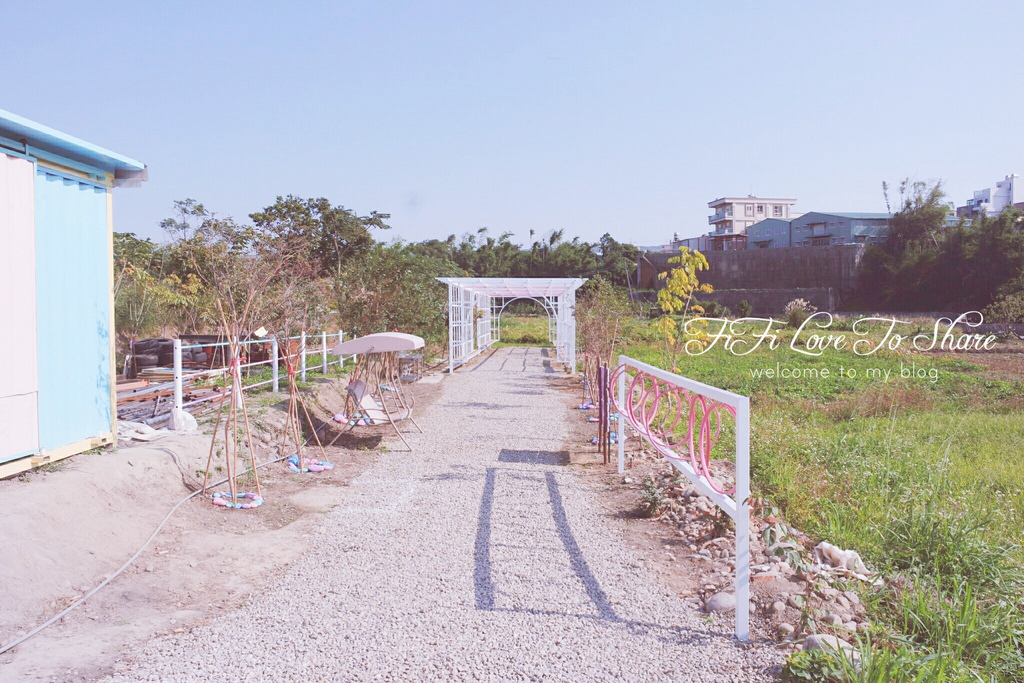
<point x="833" y="267"/>
<point x="771" y="302"/>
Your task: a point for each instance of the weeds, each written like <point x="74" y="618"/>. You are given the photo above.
<point x="651" y="497"/>
<point x="923" y="478"/>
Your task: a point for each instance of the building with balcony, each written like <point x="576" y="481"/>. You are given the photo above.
<point x="734" y="215"/>
<point x="992" y="200"/>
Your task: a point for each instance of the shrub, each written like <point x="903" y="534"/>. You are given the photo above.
<point x="744" y="309"/>
<point x="797" y="311"/>
<point x="651" y="497"/>
<point x="1007" y="310"/>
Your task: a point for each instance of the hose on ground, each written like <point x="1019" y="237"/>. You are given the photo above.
<point x="127" y="564"/>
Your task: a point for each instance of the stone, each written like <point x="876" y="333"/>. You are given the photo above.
<point x="721" y="602"/>
<point x="832" y="619"/>
<point x="786" y="629"/>
<point x="850" y="626"/>
<point x="821" y="641"/>
<point x="796" y="601"/>
<point x="843" y="602"/>
<point x="852" y="597"/>
<point x="149" y="568"/>
<point x="779" y="606"/>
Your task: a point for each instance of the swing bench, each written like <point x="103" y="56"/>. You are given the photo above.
<point x="374" y="395"/>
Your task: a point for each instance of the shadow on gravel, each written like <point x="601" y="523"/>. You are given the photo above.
<point x="483" y="575"/>
<point x="534" y="457"/>
<point x="477" y="404"/>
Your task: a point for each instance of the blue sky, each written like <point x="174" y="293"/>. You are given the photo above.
<point x="589" y="117"/>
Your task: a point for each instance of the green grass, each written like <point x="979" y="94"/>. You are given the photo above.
<point x="921" y="475"/>
<point x="523" y="330"/>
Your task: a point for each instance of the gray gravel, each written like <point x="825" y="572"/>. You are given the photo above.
<point x="478" y="557"/>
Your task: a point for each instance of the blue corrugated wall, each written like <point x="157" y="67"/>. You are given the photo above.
<point x="73" y="305"/>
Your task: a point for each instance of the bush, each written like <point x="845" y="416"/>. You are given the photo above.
<point x="713" y="309"/>
<point x="797" y="311"/>
<point x="651" y="497"/>
<point x="818" y="666"/>
<point x="744" y="309"/>
<point x="1008" y="310"/>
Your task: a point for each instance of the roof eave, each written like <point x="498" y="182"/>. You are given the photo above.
<point x="40" y="140"/>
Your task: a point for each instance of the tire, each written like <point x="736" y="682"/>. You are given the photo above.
<point x="153" y="346"/>
<point x="166" y="359"/>
<point x="146" y="360"/>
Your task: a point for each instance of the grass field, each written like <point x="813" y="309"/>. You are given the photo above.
<point x="917" y="462"/>
<point x="523" y="330"/>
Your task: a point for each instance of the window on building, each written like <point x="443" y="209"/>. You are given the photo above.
<point x="748" y="209"/>
<point x="760" y="208"/>
<point x="777" y="211"/>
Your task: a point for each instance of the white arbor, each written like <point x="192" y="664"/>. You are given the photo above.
<point x="475" y="305"/>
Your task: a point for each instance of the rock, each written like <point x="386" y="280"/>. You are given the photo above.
<point x="786" y="629"/>
<point x="843" y="602"/>
<point x="796" y="601"/>
<point x="705" y="552"/>
<point x="850" y="626"/>
<point x="149" y="567"/>
<point x="721" y="602"/>
<point x="852" y="597"/>
<point x="834" y="556"/>
<point x="779" y="606"/>
<point x="832" y="619"/>
<point x="820" y="641"/>
<point x="627" y="480"/>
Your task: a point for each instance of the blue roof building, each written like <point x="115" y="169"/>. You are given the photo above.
<point x="770" y="233"/>
<point x="57" y="375"/>
<point x="819" y="228"/>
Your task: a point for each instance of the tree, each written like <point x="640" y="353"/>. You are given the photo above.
<point x="928" y="265"/>
<point x="677" y="325"/>
<point x="334" y="234"/>
<point x="603" y="313"/>
<point x="393" y="288"/>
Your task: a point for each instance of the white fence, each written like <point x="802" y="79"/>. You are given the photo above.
<point x="682" y="419"/>
<point x="319" y="350"/>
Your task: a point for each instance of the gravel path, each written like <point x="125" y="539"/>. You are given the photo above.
<point x="478" y="557"/>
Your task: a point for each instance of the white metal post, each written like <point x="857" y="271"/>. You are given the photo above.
<point x="302" y="355"/>
<point x="323" y="349"/>
<point x="341" y="338"/>
<point x="274" y="371"/>
<point x="742" y="519"/>
<point x="622" y="419"/>
<point x="451" y="330"/>
<point x="177" y="374"/>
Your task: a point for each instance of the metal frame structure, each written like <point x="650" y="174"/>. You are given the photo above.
<point x="475" y="305"/>
<point x="681" y="418"/>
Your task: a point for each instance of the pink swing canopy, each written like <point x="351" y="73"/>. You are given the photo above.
<point x="381" y="342"/>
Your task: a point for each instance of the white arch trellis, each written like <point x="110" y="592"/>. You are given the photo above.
<point x="475" y="305"/>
